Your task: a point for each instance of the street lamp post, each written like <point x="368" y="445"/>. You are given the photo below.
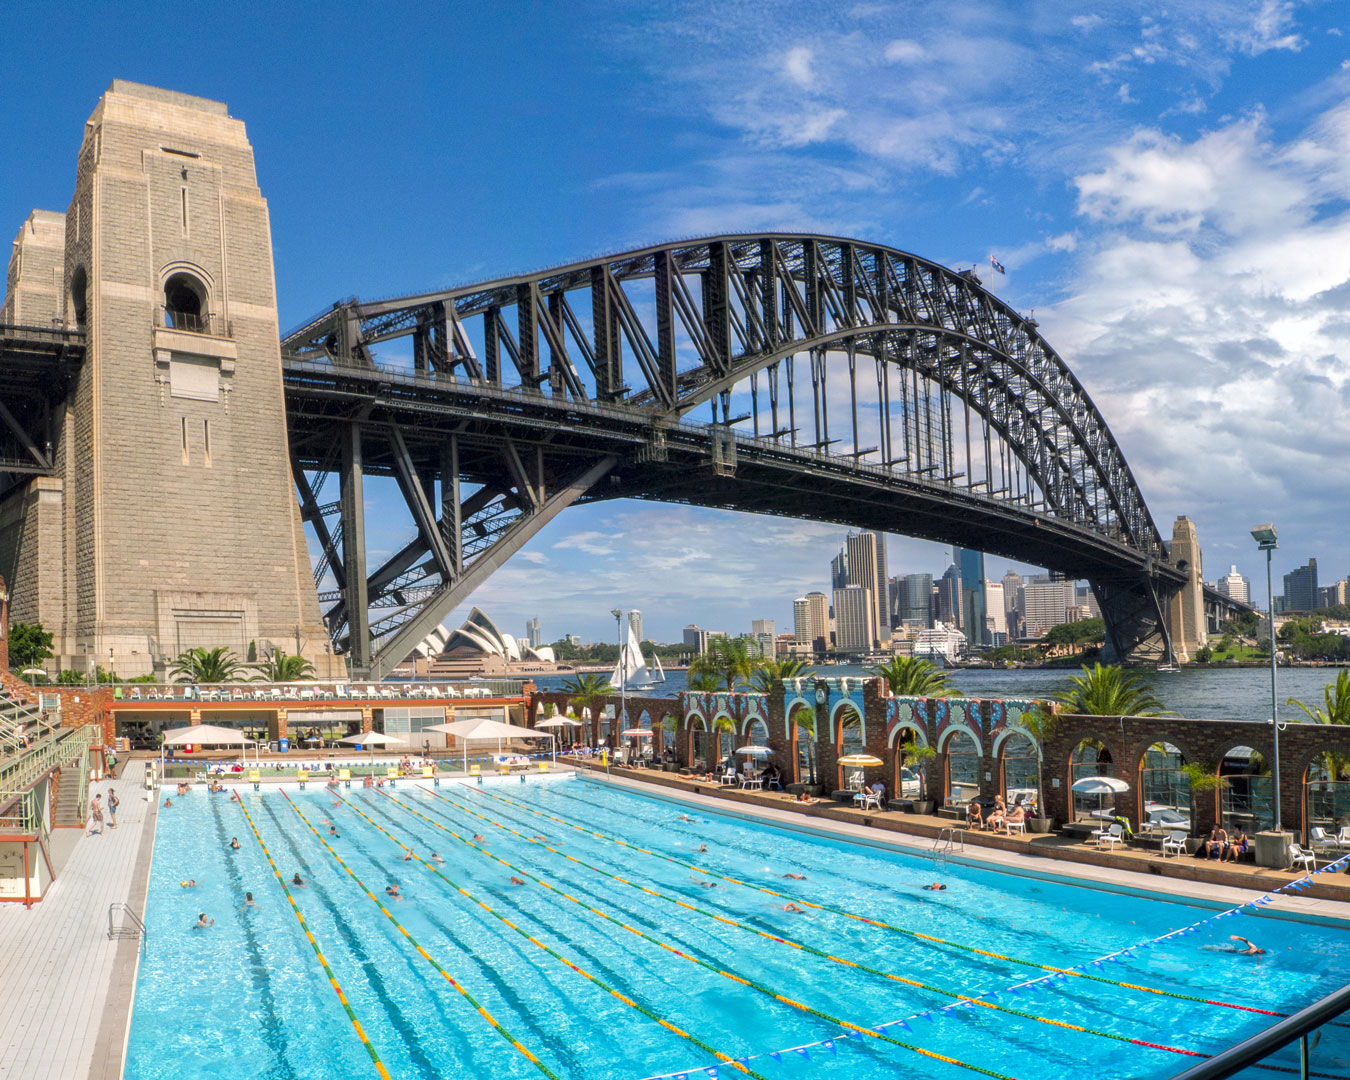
<point x="1267" y="540"/>
<point x="623" y="672"/>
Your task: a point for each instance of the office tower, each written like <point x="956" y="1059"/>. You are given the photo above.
<point x="996" y="618"/>
<point x="915" y="599"/>
<point x="635" y="624"/>
<point x="1085" y="598"/>
<point x="762" y="631"/>
<point x="839" y="571"/>
<point x="866" y="561"/>
<point x="811" y="620"/>
<point x="854" y="619"/>
<point x="696" y="638"/>
<point x="971" y="564"/>
<point x="949" y="597"/>
<point x="533" y="633"/>
<point x="1235" y="586"/>
<point x="1044" y="603"/>
<point x="1300" y="588"/>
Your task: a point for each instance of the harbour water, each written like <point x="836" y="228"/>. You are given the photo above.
<point x="1197" y="693"/>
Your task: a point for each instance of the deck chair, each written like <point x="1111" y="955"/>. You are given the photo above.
<point x="1112" y="836"/>
<point x="868" y="800"/>
<point x="1175" y="844"/>
<point x="1298" y="857"/>
<point x="1321" y="843"/>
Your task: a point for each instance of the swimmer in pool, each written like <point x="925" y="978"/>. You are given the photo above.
<point x="408" y="857"/>
<point x="168" y="802"/>
<point x="298" y="880"/>
<point x="188" y="884"/>
<point x="517" y="881"/>
<point x="436" y="858"/>
<point x="792" y="907"/>
<point x="203" y="922"/>
<point x="703" y="847"/>
<point x="248" y="900"/>
<point x="234" y="844"/>
<point x="795" y="877"/>
<point x="332" y="830"/>
<point x="936" y="886"/>
<point x="1250" y="950"/>
<point x="392" y="890"/>
<point x="477" y="839"/>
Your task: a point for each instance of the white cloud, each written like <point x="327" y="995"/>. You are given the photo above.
<point x="1269" y="28"/>
<point x="592" y="543"/>
<point x="797" y="65"/>
<point x="1086" y="22"/>
<point x="1063" y="242"/>
<point x="904" y="51"/>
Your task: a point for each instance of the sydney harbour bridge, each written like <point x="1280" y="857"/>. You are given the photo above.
<point x="803" y="376"/>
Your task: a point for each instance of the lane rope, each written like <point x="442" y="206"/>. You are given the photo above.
<point x="726" y="1058"/>
<point x="496" y="1026"/>
<point x="961" y="998"/>
<point x="313" y="944"/>
<point x="700" y="961"/>
<point x="882" y="925"/>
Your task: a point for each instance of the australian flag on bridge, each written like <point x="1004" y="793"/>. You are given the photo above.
<point x="997" y="265"/>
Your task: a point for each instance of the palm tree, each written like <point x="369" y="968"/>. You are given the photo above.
<point x="770" y="672"/>
<point x="206" y="665"/>
<point x="281" y="667"/>
<point x="703" y="681"/>
<point x="1336" y="698"/>
<point x="723" y="725"/>
<point x="587" y="690"/>
<point x="912" y="676"/>
<point x="729" y="659"/>
<point x="804" y="719"/>
<point x="1110" y="690"/>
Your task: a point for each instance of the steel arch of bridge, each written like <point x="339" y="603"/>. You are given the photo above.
<point x="517" y="397"/>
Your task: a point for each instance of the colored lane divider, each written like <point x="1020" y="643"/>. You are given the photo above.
<point x="882" y="925"/>
<point x="725" y="1058"/>
<point x="700" y="961"/>
<point x="961" y="998"/>
<point x="492" y="1021"/>
<point x="313" y="944"/>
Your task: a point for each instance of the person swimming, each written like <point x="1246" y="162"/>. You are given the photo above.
<point x="203" y="922"/>
<point x="789" y="906"/>
<point x="248" y="900"/>
<point x="393" y="890"/>
<point x="436" y="858"/>
<point x="795" y="877"/>
<point x="1224" y="947"/>
<point x="517" y="881"/>
<point x="168" y="802"/>
<point x="297" y="880"/>
<point x="188" y="884"/>
<point x="408" y="857"/>
<point x="234" y="844"/>
<point x="936" y="886"/>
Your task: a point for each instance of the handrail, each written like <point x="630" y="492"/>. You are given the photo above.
<point x="1264" y="1043"/>
<point x="137" y="928"/>
<point x="949" y="838"/>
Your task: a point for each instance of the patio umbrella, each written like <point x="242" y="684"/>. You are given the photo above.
<point x="558" y="721"/>
<point x="754" y="750"/>
<point x="480" y="729"/>
<point x="1101" y="786"/>
<point x="372" y="739"/>
<point x="864" y="760"/>
<point x="204" y="735"/>
<point x="637" y="733"/>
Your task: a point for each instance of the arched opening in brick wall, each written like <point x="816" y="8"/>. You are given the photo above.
<point x="1019" y="771"/>
<point x="1089" y="758"/>
<point x="848" y="740"/>
<point x="756" y="733"/>
<point x="802" y="733"/>
<point x="1326" y="796"/>
<point x="908" y="778"/>
<point x="1165" y="793"/>
<point x="700" y="743"/>
<point x="1246" y="790"/>
<point x="960" y="765"/>
<point x="670" y="727"/>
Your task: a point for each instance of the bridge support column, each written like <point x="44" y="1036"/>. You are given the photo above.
<point x="1186" y="609"/>
<point x="354" y="551"/>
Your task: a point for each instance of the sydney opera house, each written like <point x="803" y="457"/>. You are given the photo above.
<point x="478" y="647"/>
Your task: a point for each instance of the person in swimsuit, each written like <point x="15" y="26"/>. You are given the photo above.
<point x="936" y="886"/>
<point x="1248" y="950"/>
<point x="203" y="922"/>
<point x="234" y="844"/>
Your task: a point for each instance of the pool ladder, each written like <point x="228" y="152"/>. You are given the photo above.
<point x="131" y="926"/>
<point x="947" y="841"/>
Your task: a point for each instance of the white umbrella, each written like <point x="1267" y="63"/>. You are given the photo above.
<point x="757" y="750"/>
<point x="479" y="729"/>
<point x="558" y="721"/>
<point x="637" y="733"/>
<point x="1101" y="786"/>
<point x="861" y="759"/>
<point x="34" y="671"/>
<point x="204" y="735"/>
<point x="372" y="739"/>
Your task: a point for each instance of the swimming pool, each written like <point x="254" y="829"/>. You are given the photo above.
<point x="627" y="951"/>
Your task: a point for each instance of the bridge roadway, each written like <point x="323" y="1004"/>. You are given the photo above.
<point x="674" y="461"/>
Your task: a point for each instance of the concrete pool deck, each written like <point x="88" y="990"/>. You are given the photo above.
<point x="1134" y="871"/>
<point x="68" y="988"/>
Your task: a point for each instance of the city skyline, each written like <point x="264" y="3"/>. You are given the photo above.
<point x="1174" y="209"/>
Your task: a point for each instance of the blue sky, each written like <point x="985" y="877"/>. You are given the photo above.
<point x="1166" y="185"/>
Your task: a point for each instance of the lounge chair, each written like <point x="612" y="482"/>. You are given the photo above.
<point x="1343" y="838"/>
<point x="727" y="779"/>
<point x="1321" y="843"/>
<point x="135" y="694"/>
<point x="1112" y="836"/>
<point x="1175" y="844"/>
<point x="1299" y="857"/>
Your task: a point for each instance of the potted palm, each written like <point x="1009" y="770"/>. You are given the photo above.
<point x="920" y="757"/>
<point x="1040" y="723"/>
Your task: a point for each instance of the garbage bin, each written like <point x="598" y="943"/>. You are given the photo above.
<point x="284" y="745"/>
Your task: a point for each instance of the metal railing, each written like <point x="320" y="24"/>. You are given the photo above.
<point x="950" y="839"/>
<point x="1265" y="1043"/>
<point x="20" y="813"/>
<point x="309" y="694"/>
<point x="54" y="750"/>
<point x="132" y="927"/>
<point x="194" y="322"/>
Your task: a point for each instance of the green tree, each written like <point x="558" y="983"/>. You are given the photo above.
<point x="1336" y="701"/>
<point x="29" y="645"/>
<point x="281" y="667"/>
<point x="587" y="690"/>
<point x="252" y="655"/>
<point x="770" y="672"/>
<point x="704" y="682"/>
<point x="1205" y="655"/>
<point x="729" y="659"/>
<point x="1109" y="690"/>
<point x="912" y="676"/>
<point x="804" y="719"/>
<point x="71" y="677"/>
<point x="206" y="665"/>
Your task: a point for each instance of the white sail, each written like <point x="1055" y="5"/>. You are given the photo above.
<point x="659" y="674"/>
<point x="631" y="672"/>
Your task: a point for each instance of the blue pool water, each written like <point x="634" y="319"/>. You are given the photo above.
<point x="247" y="998"/>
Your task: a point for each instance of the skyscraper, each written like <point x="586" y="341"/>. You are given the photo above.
<point x="1300" y="588"/>
<point x="533" y="634"/>
<point x="762" y="631"/>
<point x="854" y="619"/>
<point x="915" y="599"/>
<point x="1044" y="603"/>
<point x="996" y="618"/>
<point x="971" y="566"/>
<point x="811" y="620"/>
<point x="635" y="624"/>
<point x="1012" y="615"/>
<point x="839" y="571"/>
<point x="949" y="597"/>
<point x="1235" y="586"/>
<point x="866" y="560"/>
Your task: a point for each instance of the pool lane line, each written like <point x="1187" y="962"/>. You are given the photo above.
<point x="496" y="1026"/>
<point x="974" y="999"/>
<point x="882" y="925"/>
<point x="726" y="1058"/>
<point x="707" y="964"/>
<point x="332" y="979"/>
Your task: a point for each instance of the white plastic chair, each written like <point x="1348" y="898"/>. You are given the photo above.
<point x="1321" y="843"/>
<point x="1299" y="857"/>
<point x="1175" y="844"/>
<point x="727" y="779"/>
<point x="1112" y="836"/>
<point x="868" y="800"/>
<point x="1343" y="838"/>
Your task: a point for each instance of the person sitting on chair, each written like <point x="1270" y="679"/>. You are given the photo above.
<point x="974" y="816"/>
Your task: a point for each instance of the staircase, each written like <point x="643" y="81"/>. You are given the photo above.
<point x="67" y="813"/>
<point x="19" y="722"/>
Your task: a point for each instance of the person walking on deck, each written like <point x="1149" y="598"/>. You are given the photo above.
<point x="113" y="803"/>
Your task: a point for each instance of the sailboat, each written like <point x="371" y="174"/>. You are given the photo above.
<point x="632" y="672"/>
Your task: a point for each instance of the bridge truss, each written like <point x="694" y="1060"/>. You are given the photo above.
<point x="805" y="376"/>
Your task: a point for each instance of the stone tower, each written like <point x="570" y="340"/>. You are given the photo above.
<point x="1186" y="609"/>
<point x="173" y="522"/>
